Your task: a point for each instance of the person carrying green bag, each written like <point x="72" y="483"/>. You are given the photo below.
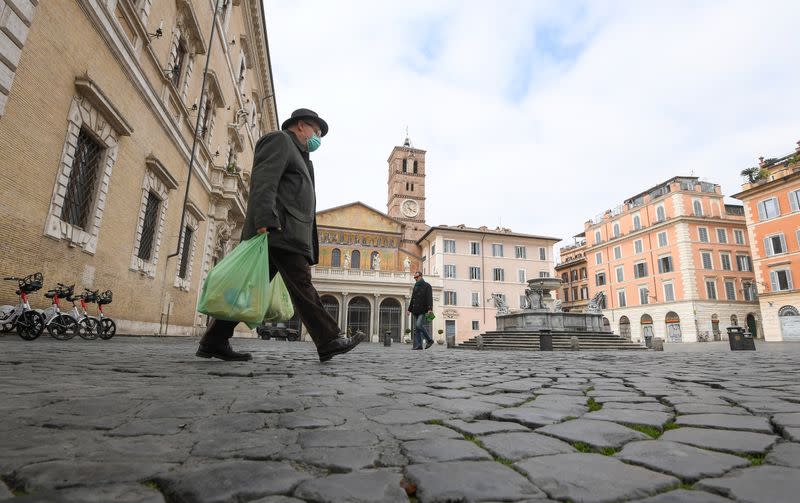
<point x="282" y="204"/>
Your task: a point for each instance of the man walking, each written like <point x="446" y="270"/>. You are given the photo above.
<point x="283" y="204"/>
<point x="421" y="304"/>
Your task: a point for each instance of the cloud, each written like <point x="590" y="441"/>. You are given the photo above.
<point x="538" y="115"/>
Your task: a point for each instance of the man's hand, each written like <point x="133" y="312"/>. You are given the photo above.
<point x="262" y="230"/>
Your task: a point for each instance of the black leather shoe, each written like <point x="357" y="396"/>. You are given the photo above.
<point x="223" y="352"/>
<point x="428" y="344"/>
<point x="340" y="346"/>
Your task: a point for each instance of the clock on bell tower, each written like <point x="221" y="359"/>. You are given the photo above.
<point x="406" y="200"/>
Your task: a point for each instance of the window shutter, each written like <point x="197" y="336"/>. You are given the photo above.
<point x="761" y="212"/>
<point x="773" y="279"/>
<point x="789" y="279"/>
<point x="783" y="244"/>
<point x="793" y="201"/>
<point x="768" y="247"/>
<point x="777" y="206"/>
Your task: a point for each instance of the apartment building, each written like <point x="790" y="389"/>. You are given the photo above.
<point x="673" y="262"/>
<point x="574" y="292"/>
<point x="771" y="199"/>
<point x="476" y="264"/>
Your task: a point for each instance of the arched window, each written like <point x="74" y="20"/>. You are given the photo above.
<point x="355" y="260"/>
<point x="415" y="167"/>
<point x="405" y="165"/>
<point x="661" y="214"/>
<point x="616" y="229"/>
<point x="637" y="222"/>
<point x="698" y="208"/>
<point x="336" y="258"/>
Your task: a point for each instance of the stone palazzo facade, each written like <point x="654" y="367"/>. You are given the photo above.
<point x="100" y="104"/>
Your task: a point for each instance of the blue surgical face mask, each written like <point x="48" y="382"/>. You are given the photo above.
<point x="313" y="143"/>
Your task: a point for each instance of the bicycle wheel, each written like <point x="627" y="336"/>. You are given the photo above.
<point x="62" y="327"/>
<point x="30" y="325"/>
<point x="107" y="328"/>
<point x="88" y="328"/>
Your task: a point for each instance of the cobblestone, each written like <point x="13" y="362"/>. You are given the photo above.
<point x="141" y="420"/>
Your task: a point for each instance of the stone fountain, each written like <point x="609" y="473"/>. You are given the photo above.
<point x="544" y="313"/>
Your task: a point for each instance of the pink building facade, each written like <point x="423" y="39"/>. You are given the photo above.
<point x="476" y="263"/>
<point x="673" y="262"/>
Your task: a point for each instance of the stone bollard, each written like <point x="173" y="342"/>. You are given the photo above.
<point x="451" y="341"/>
<point x="574" y="343"/>
<point x="387" y="338"/>
<point x="479" y="342"/>
<point x="658" y="344"/>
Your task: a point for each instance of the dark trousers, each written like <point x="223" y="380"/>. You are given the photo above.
<point x="420" y="332"/>
<point x="296" y="273"/>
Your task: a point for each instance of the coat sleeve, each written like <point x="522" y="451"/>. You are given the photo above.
<point x="269" y="163"/>
<point x="429" y="298"/>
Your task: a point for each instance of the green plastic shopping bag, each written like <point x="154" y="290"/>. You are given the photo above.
<point x="280" y="306"/>
<point x="238" y="287"/>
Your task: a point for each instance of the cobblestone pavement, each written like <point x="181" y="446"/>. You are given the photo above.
<point x="137" y="420"/>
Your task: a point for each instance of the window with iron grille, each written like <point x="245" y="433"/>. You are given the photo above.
<point x="177" y="66"/>
<point x="83" y="179"/>
<point x="185" y="251"/>
<point x="149" y="227"/>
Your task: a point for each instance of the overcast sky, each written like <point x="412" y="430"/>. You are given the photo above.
<point x="538" y="115"/>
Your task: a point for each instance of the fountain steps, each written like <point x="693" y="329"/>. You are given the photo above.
<point x="529" y="341"/>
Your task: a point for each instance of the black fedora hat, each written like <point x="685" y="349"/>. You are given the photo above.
<point x="305" y="113"/>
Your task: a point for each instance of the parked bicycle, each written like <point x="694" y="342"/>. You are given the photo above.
<point x="28" y="322"/>
<point x="88" y="327"/>
<point x="59" y="325"/>
<point x="107" y="327"/>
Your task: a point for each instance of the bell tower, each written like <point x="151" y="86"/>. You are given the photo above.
<point x="406" y="201"/>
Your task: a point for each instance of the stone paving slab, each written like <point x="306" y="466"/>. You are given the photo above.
<point x="519" y="445"/>
<point x="775" y="484"/>
<point x="727" y="421"/>
<point x="598" y="434"/>
<point x="357" y="487"/>
<point x="470" y="481"/>
<point x="97" y="420"/>
<point x="631" y="416"/>
<point x="444" y="449"/>
<point x="736" y="442"/>
<point x="681" y="460"/>
<point x="685" y="496"/>
<point x="593" y="478"/>
<point x="785" y="454"/>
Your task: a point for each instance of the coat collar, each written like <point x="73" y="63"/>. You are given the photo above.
<point x="302" y="146"/>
